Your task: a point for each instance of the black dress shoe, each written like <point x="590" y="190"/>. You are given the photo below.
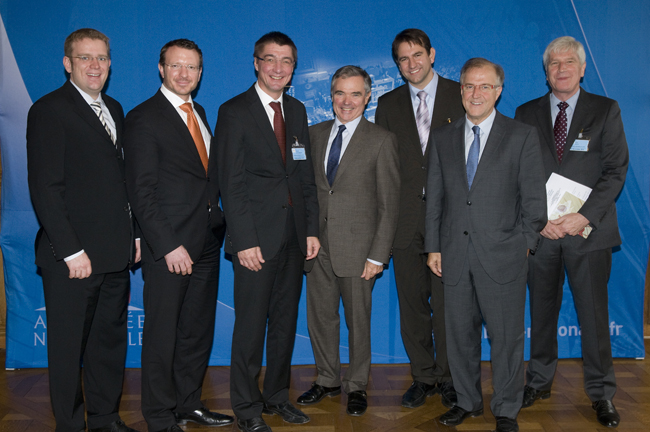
<point x="448" y="395"/>
<point x="116" y="426"/>
<point x="316" y="393"/>
<point x="457" y="415"/>
<point x="418" y="393"/>
<point x="606" y="413"/>
<point x="531" y="395"/>
<point x="505" y="424"/>
<point x="204" y="417"/>
<point x="288" y="412"/>
<point x="256" y="424"/>
<point x="357" y="403"/>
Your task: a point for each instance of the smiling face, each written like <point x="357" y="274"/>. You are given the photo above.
<point x="479" y="103"/>
<point x="349" y="98"/>
<point x="182" y="81"/>
<point x="274" y="74"/>
<point x="564" y="72"/>
<point x="89" y="75"/>
<point x="415" y="64"/>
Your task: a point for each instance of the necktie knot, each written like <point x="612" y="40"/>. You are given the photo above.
<point x="563" y="106"/>
<point x="187" y="107"/>
<point x="422" y="95"/>
<point x="477" y="130"/>
<point x="276" y="107"/>
<point x="341" y="129"/>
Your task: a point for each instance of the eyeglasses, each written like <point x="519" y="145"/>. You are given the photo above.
<point x="271" y="60"/>
<point x="87" y="59"/>
<point x="177" y="67"/>
<point x="481" y="87"/>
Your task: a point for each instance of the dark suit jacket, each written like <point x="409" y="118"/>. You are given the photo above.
<point x="395" y="113"/>
<point x="602" y="168"/>
<point x="170" y="194"/>
<point x="360" y="209"/>
<point x="502" y="213"/>
<point x="76" y="180"/>
<point x="255" y="184"/>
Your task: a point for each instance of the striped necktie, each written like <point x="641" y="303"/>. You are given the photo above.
<point x="97" y="107"/>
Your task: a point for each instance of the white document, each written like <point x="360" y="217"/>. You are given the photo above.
<point x="564" y="196"/>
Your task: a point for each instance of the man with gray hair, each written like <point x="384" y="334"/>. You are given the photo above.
<point x="486" y="205"/>
<point x="582" y="139"/>
<point x="357" y="179"/>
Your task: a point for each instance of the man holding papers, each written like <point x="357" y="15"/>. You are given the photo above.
<point x="582" y="139"/>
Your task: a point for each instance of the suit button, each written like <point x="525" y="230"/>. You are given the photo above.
<point x="284" y="207"/>
<point x="207" y="178"/>
<point x="331" y="192"/>
<point x="469" y="203"/>
<point x="465" y="232"/>
<point x="325" y="219"/>
<point x="126" y="209"/>
<point x="424" y="168"/>
<point x="287" y="176"/>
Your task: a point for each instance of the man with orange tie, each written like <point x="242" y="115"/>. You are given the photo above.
<point x="174" y="191"/>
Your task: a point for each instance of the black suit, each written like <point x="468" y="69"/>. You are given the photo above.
<point x="175" y="203"/>
<point x="76" y="179"/>
<point x="587" y="261"/>
<point x="420" y="291"/>
<point x="255" y="190"/>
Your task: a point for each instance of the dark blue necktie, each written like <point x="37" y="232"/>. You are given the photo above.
<point x="472" y="157"/>
<point x="335" y="155"/>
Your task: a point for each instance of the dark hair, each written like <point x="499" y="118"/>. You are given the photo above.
<point x="276" y="38"/>
<point x="181" y="43"/>
<point x="351" y="71"/>
<point x="84" y="33"/>
<point x="413" y="37"/>
<point x="478" y="62"/>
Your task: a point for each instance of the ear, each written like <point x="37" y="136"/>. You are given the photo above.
<point x="367" y="98"/>
<point x="432" y="55"/>
<point x="161" y="68"/>
<point x="67" y="64"/>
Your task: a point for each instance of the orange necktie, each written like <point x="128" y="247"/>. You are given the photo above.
<point x="195" y="131"/>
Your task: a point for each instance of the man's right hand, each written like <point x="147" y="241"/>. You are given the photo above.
<point x="552" y="231"/>
<point x="251" y="258"/>
<point x="79" y="267"/>
<point x="434" y="261"/>
<point x="179" y="261"/>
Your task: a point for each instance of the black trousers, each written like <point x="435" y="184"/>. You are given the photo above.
<point x="86" y="323"/>
<point x="178" y="334"/>
<point x="266" y="302"/>
<point x="422" y="312"/>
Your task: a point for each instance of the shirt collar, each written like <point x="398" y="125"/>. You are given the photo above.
<point x="265" y="97"/>
<point x="485" y="125"/>
<point x="572" y="101"/>
<point x="430" y="88"/>
<point x="173" y="98"/>
<point x="350" y="126"/>
<point x="88" y="98"/>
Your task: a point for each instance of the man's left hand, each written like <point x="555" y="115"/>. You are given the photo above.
<point x="138" y="252"/>
<point x="371" y="270"/>
<point x="571" y="224"/>
<point x="313" y="246"/>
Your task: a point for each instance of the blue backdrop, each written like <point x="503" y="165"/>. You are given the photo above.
<point x="328" y="35"/>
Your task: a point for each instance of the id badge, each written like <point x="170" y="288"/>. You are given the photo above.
<point x="581" y="143"/>
<point x="298" y="150"/>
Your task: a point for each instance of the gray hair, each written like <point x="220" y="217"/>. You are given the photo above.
<point x="352" y="71"/>
<point x="563" y="44"/>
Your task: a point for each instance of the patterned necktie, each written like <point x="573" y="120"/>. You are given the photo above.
<point x="472" y="157"/>
<point x="280" y="134"/>
<point x="195" y="131"/>
<point x="560" y="130"/>
<point x="335" y="155"/>
<point x="423" y="121"/>
<point x="279" y="129"/>
<point x="97" y="107"/>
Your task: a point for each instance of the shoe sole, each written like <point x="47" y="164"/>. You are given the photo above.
<point x="330" y="395"/>
<point x="472" y="414"/>
<point x="185" y="422"/>
<point x="424" y="399"/>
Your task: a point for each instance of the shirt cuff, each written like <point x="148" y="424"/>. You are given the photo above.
<point x="376" y="262"/>
<point x="71" y="257"/>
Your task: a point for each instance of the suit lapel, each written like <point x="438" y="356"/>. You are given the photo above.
<point x="411" y="141"/>
<point x="545" y="124"/>
<point x="354" y="148"/>
<point x="491" y="147"/>
<point x="258" y="112"/>
<point x="320" y="144"/>
<point x="459" y="150"/>
<point x="81" y="107"/>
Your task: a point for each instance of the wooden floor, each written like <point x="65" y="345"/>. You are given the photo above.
<point x="25" y="404"/>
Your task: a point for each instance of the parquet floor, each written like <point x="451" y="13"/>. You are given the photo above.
<point x="25" y="406"/>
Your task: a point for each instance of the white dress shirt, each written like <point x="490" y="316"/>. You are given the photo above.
<point x="485" y="126"/>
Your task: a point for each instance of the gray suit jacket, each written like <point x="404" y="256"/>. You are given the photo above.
<point x="502" y="213"/>
<point x="602" y="168"/>
<point x="360" y="209"/>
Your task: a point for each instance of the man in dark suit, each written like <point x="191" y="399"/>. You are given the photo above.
<point x="420" y="292"/>
<point x="357" y="178"/>
<point x="173" y="186"/>
<point x="480" y="226"/>
<point x="567" y="118"/>
<point x="269" y="198"/>
<point x="76" y="179"/>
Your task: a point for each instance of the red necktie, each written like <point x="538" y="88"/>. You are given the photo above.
<point x="195" y="131"/>
<point x="560" y="130"/>
<point x="280" y="134"/>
